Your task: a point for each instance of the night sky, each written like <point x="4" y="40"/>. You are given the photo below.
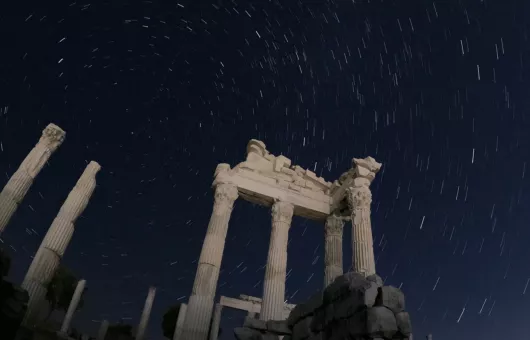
<point x="160" y="92"/>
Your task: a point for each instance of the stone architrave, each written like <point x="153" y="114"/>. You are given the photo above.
<point x="19" y="184"/>
<point x="200" y="304"/>
<point x="359" y="200"/>
<point x="79" y="289"/>
<point x="333" y="248"/>
<point x="216" y="321"/>
<point x="275" y="273"/>
<point x="54" y="244"/>
<point x="146" y="313"/>
<point x="102" y="332"/>
<point x="180" y="322"/>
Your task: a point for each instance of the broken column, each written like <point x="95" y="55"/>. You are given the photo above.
<point x="333" y="248"/>
<point x="216" y="321"/>
<point x="146" y="313"/>
<point x="180" y="321"/>
<point x="274" y="283"/>
<point x="19" y="184"/>
<point x="54" y="244"/>
<point x="103" y="328"/>
<point x="79" y="289"/>
<point x="359" y="200"/>
<point x="200" y="304"/>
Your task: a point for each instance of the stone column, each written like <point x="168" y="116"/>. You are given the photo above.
<point x="19" y="184"/>
<point x="274" y="283"/>
<point x="360" y="199"/>
<point x="180" y="322"/>
<point x="73" y="306"/>
<point x="333" y="249"/>
<point x="216" y="321"/>
<point x="146" y="313"/>
<point x="201" y="301"/>
<point x="54" y="244"/>
<point x="102" y="332"/>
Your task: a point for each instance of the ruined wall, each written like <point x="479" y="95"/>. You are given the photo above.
<point x="352" y="307"/>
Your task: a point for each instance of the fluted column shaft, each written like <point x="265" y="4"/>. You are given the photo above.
<point x="146" y="313"/>
<point x="274" y="284"/>
<point x="216" y="321"/>
<point x="201" y="301"/>
<point x="19" y="184"/>
<point x="180" y="322"/>
<point x="360" y="199"/>
<point x="333" y="249"/>
<point x="79" y="289"/>
<point x="102" y="332"/>
<point x="54" y="244"/>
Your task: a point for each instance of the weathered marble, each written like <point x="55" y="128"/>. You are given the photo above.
<point x="19" y="184"/>
<point x="103" y="328"/>
<point x="180" y="322"/>
<point x="201" y="301"/>
<point x="54" y="244"/>
<point x="333" y="248"/>
<point x="78" y="293"/>
<point x="146" y="313"/>
<point x="276" y="270"/>
<point x="359" y="200"/>
<point x="216" y="321"/>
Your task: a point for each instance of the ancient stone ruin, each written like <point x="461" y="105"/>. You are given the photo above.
<point x="352" y="307"/>
<point x="272" y="181"/>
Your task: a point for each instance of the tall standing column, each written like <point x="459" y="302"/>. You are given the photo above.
<point x="275" y="273"/>
<point x="333" y="249"/>
<point x="19" y="184"/>
<point x="103" y="328"/>
<point x="360" y="199"/>
<point x="146" y="313"/>
<point x="216" y="321"/>
<point x="54" y="244"/>
<point x="201" y="301"/>
<point x="79" y="290"/>
<point x="180" y="321"/>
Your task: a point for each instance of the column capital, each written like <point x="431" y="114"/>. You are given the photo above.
<point x="225" y="193"/>
<point x="366" y="168"/>
<point x="334" y="225"/>
<point x="282" y="212"/>
<point x="52" y="137"/>
<point x="359" y="197"/>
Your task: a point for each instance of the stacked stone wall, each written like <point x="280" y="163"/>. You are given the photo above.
<point x="352" y="307"/>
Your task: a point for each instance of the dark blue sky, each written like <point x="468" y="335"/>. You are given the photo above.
<point x="160" y="92"/>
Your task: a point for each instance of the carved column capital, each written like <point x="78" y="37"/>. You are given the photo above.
<point x="334" y="226"/>
<point x="52" y="137"/>
<point x="225" y="194"/>
<point x="359" y="197"/>
<point x="282" y="212"/>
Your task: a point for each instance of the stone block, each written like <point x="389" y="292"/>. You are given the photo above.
<point x="302" y="329"/>
<point x="243" y="333"/>
<point x="356" y="324"/>
<point x="392" y="298"/>
<point x="319" y="320"/>
<point x="318" y="336"/>
<point x="381" y="322"/>
<point x="255" y="324"/>
<point x="278" y="327"/>
<point x="304" y="309"/>
<point x="269" y="336"/>
<point x="295" y="187"/>
<point x="376" y="279"/>
<point x="403" y="323"/>
<point x="350" y="282"/>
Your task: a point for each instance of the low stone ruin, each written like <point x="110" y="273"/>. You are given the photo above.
<point x="352" y="307"/>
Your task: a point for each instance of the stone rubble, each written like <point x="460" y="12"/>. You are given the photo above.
<point x="352" y="307"/>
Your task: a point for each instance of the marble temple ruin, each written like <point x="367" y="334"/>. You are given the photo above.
<point x="53" y="246"/>
<point x="19" y="184"/>
<point x="272" y="181"/>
